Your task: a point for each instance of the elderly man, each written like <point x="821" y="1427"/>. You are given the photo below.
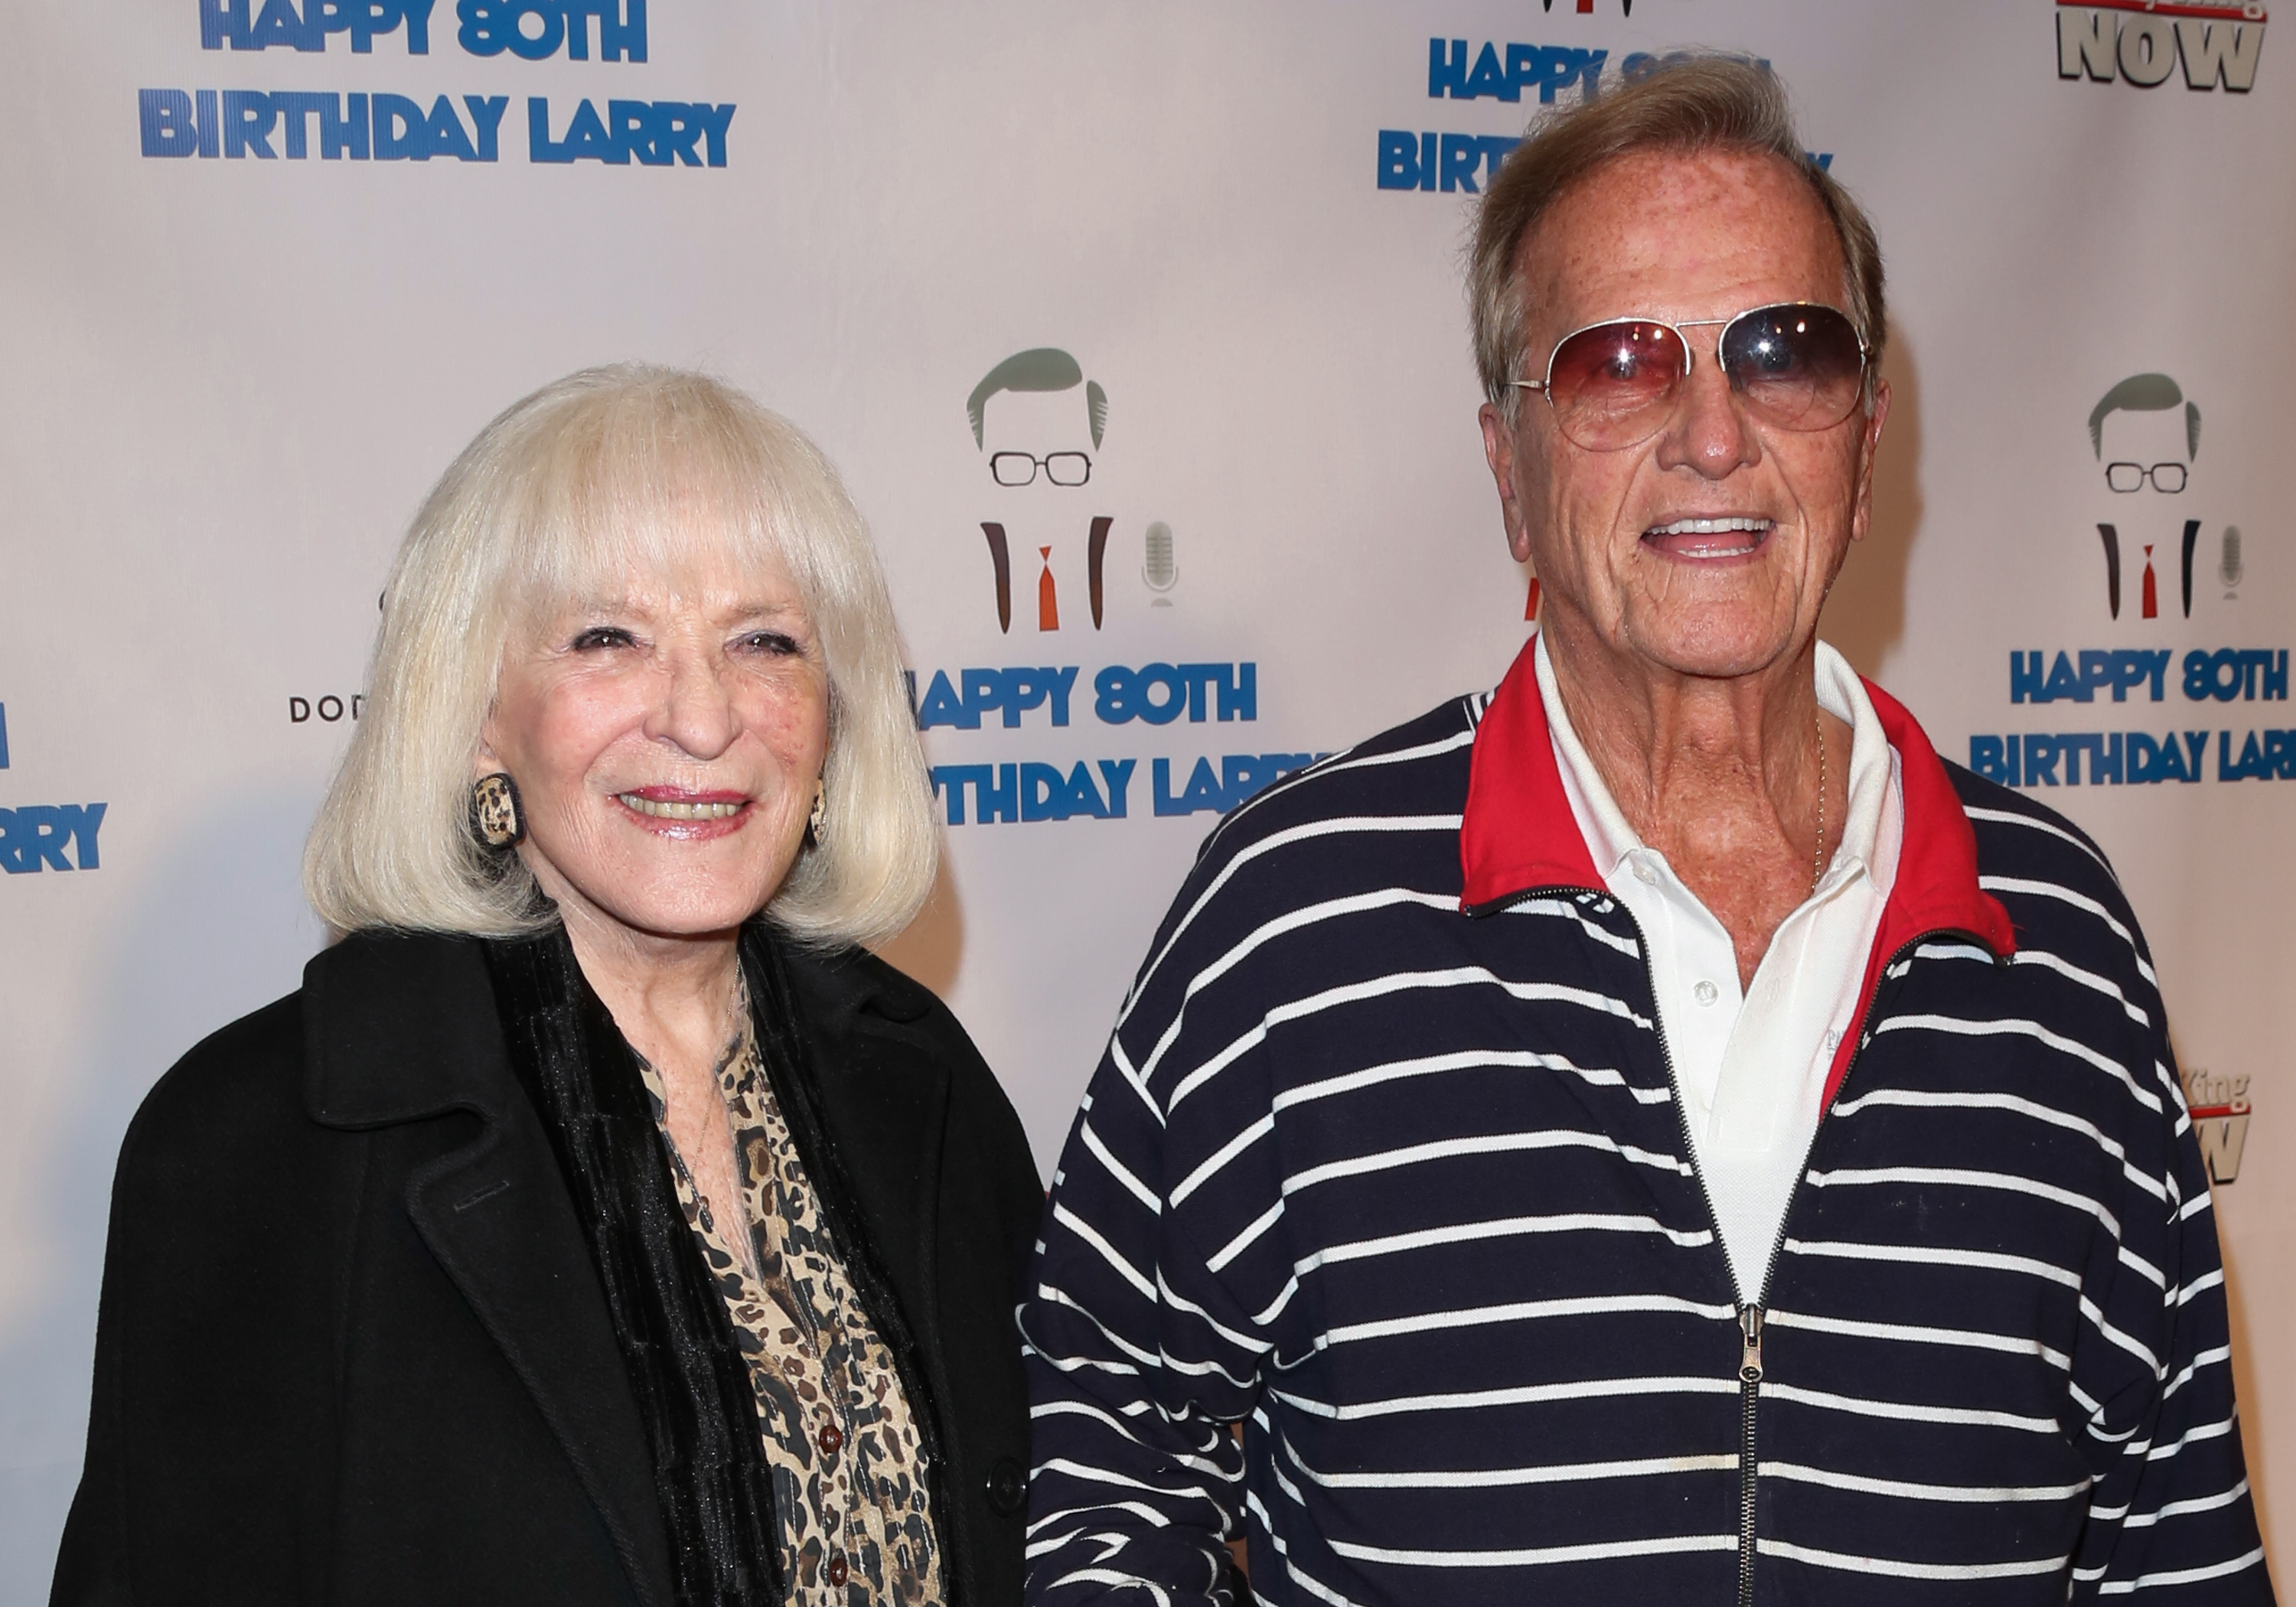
<point x="1657" y="1132"/>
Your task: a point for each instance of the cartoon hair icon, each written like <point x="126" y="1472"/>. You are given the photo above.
<point x="1039" y="368"/>
<point x="2144" y="393"/>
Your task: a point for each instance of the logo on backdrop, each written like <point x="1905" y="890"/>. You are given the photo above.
<point x="2146" y="434"/>
<point x="2142" y="41"/>
<point x="1037" y="424"/>
<point x="2144" y="442"/>
<point x="1510" y="73"/>
<point x="1040" y="425"/>
<point x="2221" y="1111"/>
<point x="369" y="126"/>
<point x="46" y="837"/>
<point x="2144" y="438"/>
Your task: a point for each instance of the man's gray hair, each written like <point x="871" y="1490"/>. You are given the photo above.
<point x="606" y="475"/>
<point x="1703" y="103"/>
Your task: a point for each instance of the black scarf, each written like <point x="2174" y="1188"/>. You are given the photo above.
<point x="691" y="1381"/>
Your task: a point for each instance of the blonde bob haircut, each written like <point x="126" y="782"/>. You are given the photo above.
<point x="611" y="472"/>
<point x="1692" y="102"/>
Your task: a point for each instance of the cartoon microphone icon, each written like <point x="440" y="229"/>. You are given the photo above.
<point x="2228" y="565"/>
<point x="1158" y="568"/>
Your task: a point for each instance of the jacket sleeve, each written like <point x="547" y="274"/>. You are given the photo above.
<point x="89" y="1561"/>
<point x="210" y="1426"/>
<point x="1160" y="1268"/>
<point x="2169" y="1513"/>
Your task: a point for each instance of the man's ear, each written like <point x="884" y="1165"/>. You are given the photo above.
<point x="1498" y="451"/>
<point x="1869" y="443"/>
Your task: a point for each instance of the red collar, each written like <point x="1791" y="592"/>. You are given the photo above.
<point x="1518" y="832"/>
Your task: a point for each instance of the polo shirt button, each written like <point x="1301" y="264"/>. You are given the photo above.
<point x="1706" y="993"/>
<point x="829" y="1440"/>
<point x="1644" y="874"/>
<point x="837" y="1569"/>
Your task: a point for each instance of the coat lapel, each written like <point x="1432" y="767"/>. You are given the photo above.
<point x="886" y="1107"/>
<point x="400" y="1028"/>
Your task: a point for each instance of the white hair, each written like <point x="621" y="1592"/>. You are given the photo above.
<point x="561" y="498"/>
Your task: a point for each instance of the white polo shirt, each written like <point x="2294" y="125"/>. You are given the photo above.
<point x="1750" y="1067"/>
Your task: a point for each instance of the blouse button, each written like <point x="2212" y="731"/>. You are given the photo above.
<point x="1706" y="993"/>
<point x="829" y="1440"/>
<point x="837" y="1569"/>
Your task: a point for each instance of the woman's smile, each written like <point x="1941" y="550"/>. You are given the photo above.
<point x="687" y="816"/>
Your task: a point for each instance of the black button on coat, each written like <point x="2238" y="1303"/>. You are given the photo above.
<point x="351" y="1349"/>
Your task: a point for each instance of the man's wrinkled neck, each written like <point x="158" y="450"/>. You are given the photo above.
<point x="1668" y="744"/>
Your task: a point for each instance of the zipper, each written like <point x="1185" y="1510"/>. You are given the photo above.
<point x="1749" y="1316"/>
<point x="1749" y="1391"/>
<point x="1751" y="1313"/>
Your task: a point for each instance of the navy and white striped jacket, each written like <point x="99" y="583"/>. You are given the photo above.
<point x="1385" y="1161"/>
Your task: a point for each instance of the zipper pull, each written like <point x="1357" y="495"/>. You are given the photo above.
<point x="1749" y="1359"/>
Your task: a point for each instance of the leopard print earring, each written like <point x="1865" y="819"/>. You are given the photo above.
<point x="813" y="821"/>
<point x="496" y="819"/>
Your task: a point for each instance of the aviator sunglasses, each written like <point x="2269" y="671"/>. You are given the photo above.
<point x="1798" y="365"/>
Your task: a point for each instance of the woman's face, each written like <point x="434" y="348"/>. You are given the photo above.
<point x="666" y="744"/>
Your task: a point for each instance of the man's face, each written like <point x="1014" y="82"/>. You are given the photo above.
<point x="1038" y="423"/>
<point x="1680" y="238"/>
<point x="2147" y="439"/>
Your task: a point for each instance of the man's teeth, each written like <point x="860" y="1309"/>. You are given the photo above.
<point x="663" y="808"/>
<point x="1709" y="527"/>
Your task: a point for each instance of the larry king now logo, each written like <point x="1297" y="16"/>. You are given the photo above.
<point x="2141" y="42"/>
<point x="2221" y="1111"/>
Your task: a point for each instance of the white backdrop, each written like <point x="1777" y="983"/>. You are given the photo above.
<point x="229" y="379"/>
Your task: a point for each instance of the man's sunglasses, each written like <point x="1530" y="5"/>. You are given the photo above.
<point x="1798" y="365"/>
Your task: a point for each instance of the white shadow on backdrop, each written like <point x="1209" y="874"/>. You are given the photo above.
<point x="221" y="929"/>
<point x="1866" y="613"/>
<point x="931" y="947"/>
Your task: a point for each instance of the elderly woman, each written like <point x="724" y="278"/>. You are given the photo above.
<point x="600" y="1223"/>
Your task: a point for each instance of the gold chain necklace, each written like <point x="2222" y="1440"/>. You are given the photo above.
<point x="1817" y="856"/>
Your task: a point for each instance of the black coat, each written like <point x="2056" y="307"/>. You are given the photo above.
<point x="351" y="1347"/>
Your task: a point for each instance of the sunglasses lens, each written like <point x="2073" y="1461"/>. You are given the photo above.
<point x="1613" y="385"/>
<point x="1797" y="366"/>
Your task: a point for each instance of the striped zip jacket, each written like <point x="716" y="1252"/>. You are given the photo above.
<point x="1385" y="1162"/>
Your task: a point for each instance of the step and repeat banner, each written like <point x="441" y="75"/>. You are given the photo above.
<point x="1139" y="334"/>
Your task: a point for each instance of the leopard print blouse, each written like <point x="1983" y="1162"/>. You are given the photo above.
<point x="849" y="1472"/>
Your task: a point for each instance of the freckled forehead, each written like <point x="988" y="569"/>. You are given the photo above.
<point x="1679" y="237"/>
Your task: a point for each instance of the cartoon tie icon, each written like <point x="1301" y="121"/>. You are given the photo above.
<point x="2152" y="591"/>
<point x="1048" y="608"/>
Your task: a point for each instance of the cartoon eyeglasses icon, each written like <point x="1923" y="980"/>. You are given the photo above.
<point x="1061" y="467"/>
<point x="2131" y="477"/>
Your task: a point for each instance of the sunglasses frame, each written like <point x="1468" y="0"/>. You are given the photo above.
<point x="1544" y="387"/>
